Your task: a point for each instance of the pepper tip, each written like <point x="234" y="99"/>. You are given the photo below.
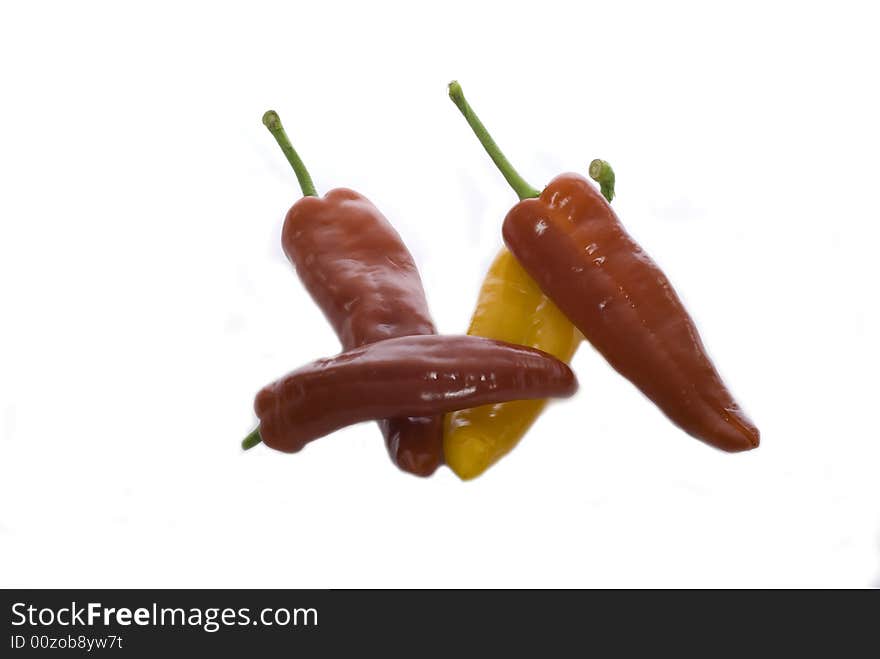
<point x="251" y="440"/>
<point x="601" y="172"/>
<point x="271" y="120"/>
<point x="455" y="92"/>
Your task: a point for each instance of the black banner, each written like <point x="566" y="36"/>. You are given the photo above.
<point x="145" y="622"/>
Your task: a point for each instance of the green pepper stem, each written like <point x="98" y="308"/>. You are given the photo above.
<point x="517" y="182"/>
<point x="272" y="121"/>
<point x="251" y="440"/>
<point x="601" y="172"/>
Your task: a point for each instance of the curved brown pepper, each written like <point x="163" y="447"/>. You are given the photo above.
<point x="357" y="269"/>
<point x="359" y="272"/>
<point x="420" y="376"/>
<point x="572" y="243"/>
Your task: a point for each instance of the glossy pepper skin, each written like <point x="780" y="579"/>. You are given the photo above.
<point x="409" y="376"/>
<point x="572" y="243"/>
<point x="511" y="307"/>
<point x="359" y="272"/>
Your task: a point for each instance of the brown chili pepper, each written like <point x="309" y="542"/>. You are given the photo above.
<point x="573" y="245"/>
<point x="361" y="275"/>
<point x="412" y="375"/>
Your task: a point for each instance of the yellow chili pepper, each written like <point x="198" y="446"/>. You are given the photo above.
<point x="510" y="307"/>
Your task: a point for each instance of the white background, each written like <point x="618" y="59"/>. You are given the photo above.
<point x="146" y="297"/>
